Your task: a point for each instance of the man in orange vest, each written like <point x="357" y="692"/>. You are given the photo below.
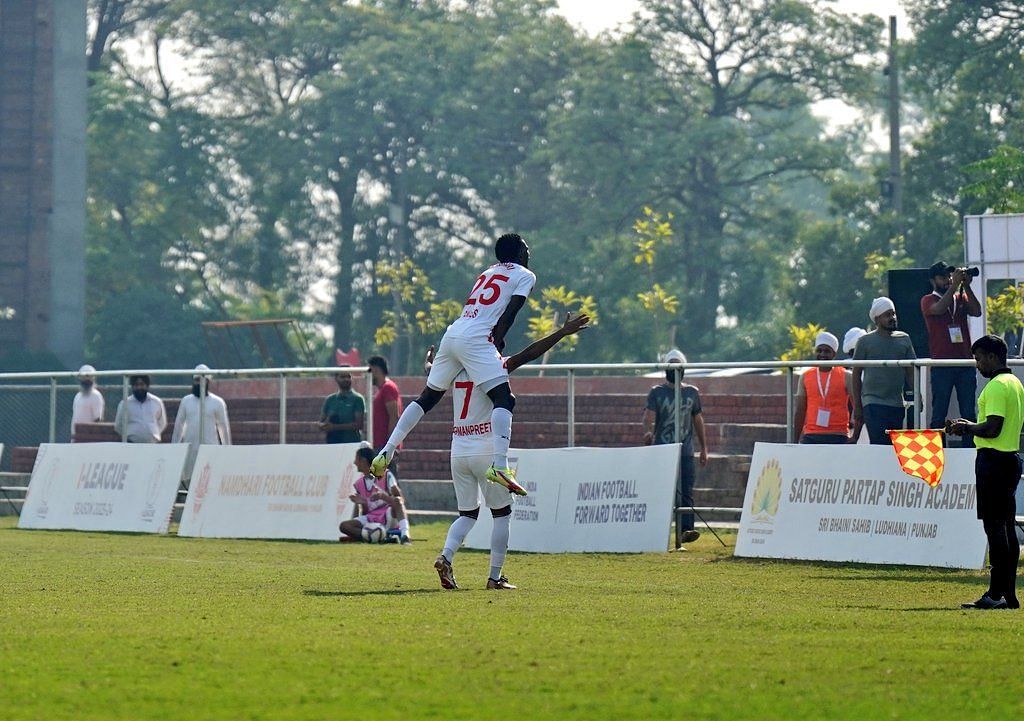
<point x="822" y="413"/>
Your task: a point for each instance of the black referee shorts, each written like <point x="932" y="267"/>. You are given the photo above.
<point x="996" y="474"/>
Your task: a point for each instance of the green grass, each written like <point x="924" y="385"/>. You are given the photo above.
<point x="105" y="626"/>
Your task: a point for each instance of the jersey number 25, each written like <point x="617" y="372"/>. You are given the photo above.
<point x="486" y="293"/>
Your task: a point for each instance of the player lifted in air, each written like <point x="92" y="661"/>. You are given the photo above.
<point x="471" y="456"/>
<point x="473" y="344"/>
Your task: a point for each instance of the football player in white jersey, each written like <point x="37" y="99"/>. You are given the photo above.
<point x="473" y="344"/>
<point x="471" y="455"/>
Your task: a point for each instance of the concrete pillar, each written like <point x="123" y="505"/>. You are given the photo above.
<point x="66" y="247"/>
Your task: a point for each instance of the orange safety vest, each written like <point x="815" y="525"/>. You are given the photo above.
<point x="826" y="392"/>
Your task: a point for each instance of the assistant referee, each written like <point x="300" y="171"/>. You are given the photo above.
<point x="997" y="468"/>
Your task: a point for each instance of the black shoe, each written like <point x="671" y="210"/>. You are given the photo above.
<point x="1012" y="602"/>
<point x="986" y="603"/>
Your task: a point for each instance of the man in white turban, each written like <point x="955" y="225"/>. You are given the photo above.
<point x="822" y="413"/>
<point x="850" y="340"/>
<point x="878" y="392"/>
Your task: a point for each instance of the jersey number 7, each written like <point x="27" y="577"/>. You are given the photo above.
<point x="468" y="387"/>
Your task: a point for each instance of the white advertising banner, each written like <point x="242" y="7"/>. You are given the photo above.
<point x="275" y="491"/>
<point x="104" y="486"/>
<point x="615" y="500"/>
<point x="853" y="503"/>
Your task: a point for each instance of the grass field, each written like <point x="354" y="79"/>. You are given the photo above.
<point x="104" y="626"/>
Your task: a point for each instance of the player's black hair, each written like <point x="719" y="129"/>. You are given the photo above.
<point x="378" y="362"/>
<point x="508" y="247"/>
<point x="991" y="344"/>
<point x="365" y="453"/>
<point x="132" y="379"/>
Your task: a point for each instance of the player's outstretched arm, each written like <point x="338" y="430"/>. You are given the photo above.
<point x="572" y="326"/>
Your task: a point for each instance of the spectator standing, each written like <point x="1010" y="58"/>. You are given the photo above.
<point x="213" y="412"/>
<point x="88" y="405"/>
<point x="341" y="417"/>
<point x="945" y="312"/>
<point x="878" y="392"/>
<point x="387" y="402"/>
<point x="141" y="417"/>
<point x="850" y="340"/>
<point x="659" y="428"/>
<point x="822" y="410"/>
<point x="997" y="468"/>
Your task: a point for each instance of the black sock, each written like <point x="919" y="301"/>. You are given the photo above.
<point x="1009" y="571"/>
<point x="998" y="552"/>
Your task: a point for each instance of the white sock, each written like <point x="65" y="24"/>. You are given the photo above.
<point x="406" y="422"/>
<point x="501" y="433"/>
<point x="403" y="526"/>
<point x="460" y="528"/>
<point x="499" y="544"/>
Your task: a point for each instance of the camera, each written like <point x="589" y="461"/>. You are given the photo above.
<point x="973" y="272"/>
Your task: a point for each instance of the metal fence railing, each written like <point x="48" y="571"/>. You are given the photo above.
<point x="36" y="407"/>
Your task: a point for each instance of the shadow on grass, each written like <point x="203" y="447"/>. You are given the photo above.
<point x="938" y="577"/>
<point x="884" y="572"/>
<point x="375" y="592"/>
<point x="917" y="609"/>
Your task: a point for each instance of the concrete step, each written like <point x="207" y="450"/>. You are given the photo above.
<point x="720" y="497"/>
<point x="739" y="438"/>
<point x="424" y="494"/>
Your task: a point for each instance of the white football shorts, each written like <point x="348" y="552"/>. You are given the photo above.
<point x="389" y="522"/>
<point x="478" y="356"/>
<point x="468" y="477"/>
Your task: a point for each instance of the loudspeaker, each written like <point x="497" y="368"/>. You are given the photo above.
<point x="906" y="288"/>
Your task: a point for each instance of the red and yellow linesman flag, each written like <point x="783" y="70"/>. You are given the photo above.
<point x="920" y="454"/>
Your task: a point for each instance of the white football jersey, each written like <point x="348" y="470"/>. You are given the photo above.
<point x="471" y="431"/>
<point x="490" y="296"/>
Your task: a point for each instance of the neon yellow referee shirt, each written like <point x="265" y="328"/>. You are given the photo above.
<point x="1002" y="396"/>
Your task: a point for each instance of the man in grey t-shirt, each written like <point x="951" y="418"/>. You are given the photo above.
<point x="878" y="392"/>
<point x="660" y="428"/>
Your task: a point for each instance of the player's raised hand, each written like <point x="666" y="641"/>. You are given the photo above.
<point x="575" y="324"/>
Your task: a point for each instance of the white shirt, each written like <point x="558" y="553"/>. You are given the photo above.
<point x="471" y="431"/>
<point x="141" y="422"/>
<point x="86" y="408"/>
<point x="489" y="298"/>
<point x="216" y="428"/>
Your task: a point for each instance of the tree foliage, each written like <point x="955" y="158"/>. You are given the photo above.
<point x="319" y="158"/>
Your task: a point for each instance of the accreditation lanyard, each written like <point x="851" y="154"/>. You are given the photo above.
<point x="824" y="392"/>
<point x="956" y="333"/>
<point x="952" y="306"/>
<point x="824" y="415"/>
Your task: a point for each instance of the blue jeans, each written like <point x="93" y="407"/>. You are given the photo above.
<point x="684" y="490"/>
<point x="944" y="380"/>
<point x="878" y="419"/>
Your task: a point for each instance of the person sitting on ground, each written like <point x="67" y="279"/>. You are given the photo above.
<point x="379" y="501"/>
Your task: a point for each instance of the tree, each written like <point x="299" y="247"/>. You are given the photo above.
<point x="744" y="69"/>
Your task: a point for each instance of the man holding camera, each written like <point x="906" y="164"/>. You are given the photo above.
<point x="945" y="312"/>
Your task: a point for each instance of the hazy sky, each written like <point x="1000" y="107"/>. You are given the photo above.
<point x="597" y="15"/>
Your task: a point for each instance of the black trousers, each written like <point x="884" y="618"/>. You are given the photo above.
<point x="996" y="475"/>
